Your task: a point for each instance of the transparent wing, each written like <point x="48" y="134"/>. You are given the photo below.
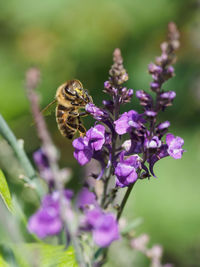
<point x="49" y="108"/>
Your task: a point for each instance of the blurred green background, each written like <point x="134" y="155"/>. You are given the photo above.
<point x="75" y="39"/>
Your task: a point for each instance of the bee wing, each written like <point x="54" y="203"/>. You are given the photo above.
<point x="49" y="108"/>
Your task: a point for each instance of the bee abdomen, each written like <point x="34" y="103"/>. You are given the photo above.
<point x="66" y="124"/>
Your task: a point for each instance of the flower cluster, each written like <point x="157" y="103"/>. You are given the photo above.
<point x="145" y="135"/>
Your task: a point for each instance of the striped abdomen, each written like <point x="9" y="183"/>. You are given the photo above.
<point x="68" y="121"/>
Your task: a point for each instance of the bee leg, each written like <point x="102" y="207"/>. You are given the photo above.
<point x="83" y="114"/>
<point x="74" y="113"/>
<point x="81" y="128"/>
<point x="72" y="122"/>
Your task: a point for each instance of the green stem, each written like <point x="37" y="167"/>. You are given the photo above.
<point x="8" y="135"/>
<point x="124" y="200"/>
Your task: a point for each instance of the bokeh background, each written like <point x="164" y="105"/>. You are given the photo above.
<point x="75" y="39"/>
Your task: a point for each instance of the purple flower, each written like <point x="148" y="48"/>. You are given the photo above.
<point x="155" y="69"/>
<point x="154" y="142"/>
<point x="168" y="95"/>
<point x="96" y="136"/>
<point x="85" y="198"/>
<point x="83" y="151"/>
<point x="150" y="113"/>
<point x="162" y="128"/>
<point x="128" y="121"/>
<point x="86" y="146"/>
<point x="46" y="221"/>
<point x="107" y="84"/>
<point x="164" y="125"/>
<point x="96" y="112"/>
<point x="155" y="86"/>
<point x="104" y="227"/>
<point x="174" y="146"/>
<point x="126" y="170"/>
<point x="145" y="99"/>
<point x="106" y="230"/>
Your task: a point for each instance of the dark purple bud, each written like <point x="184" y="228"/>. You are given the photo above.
<point x="145" y="99"/>
<point x="154" y="69"/>
<point x="107" y="85"/>
<point x="155" y="86"/>
<point x="168" y="95"/>
<point x="164" y="125"/>
<point x="130" y="92"/>
<point x="109" y="105"/>
<point x="170" y="70"/>
<point x="40" y="159"/>
<point x="43" y="166"/>
<point x="162" y="128"/>
<point x="96" y="112"/>
<point x="150" y="113"/>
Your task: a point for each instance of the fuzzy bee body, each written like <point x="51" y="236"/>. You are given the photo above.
<point x="71" y="97"/>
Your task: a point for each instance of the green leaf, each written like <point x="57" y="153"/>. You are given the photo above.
<point x="4" y="192"/>
<point x="44" y="255"/>
<point x="3" y="263"/>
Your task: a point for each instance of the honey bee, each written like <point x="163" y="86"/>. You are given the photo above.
<point x="70" y="98"/>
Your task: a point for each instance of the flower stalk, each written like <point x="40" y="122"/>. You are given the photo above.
<point x="18" y="149"/>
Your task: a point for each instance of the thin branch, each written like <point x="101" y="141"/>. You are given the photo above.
<point x="124" y="200"/>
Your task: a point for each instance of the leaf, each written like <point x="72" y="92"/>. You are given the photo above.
<point x="44" y="255"/>
<point x="3" y="263"/>
<point x="4" y="192"/>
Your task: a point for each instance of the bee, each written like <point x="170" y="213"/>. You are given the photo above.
<point x="70" y="98"/>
